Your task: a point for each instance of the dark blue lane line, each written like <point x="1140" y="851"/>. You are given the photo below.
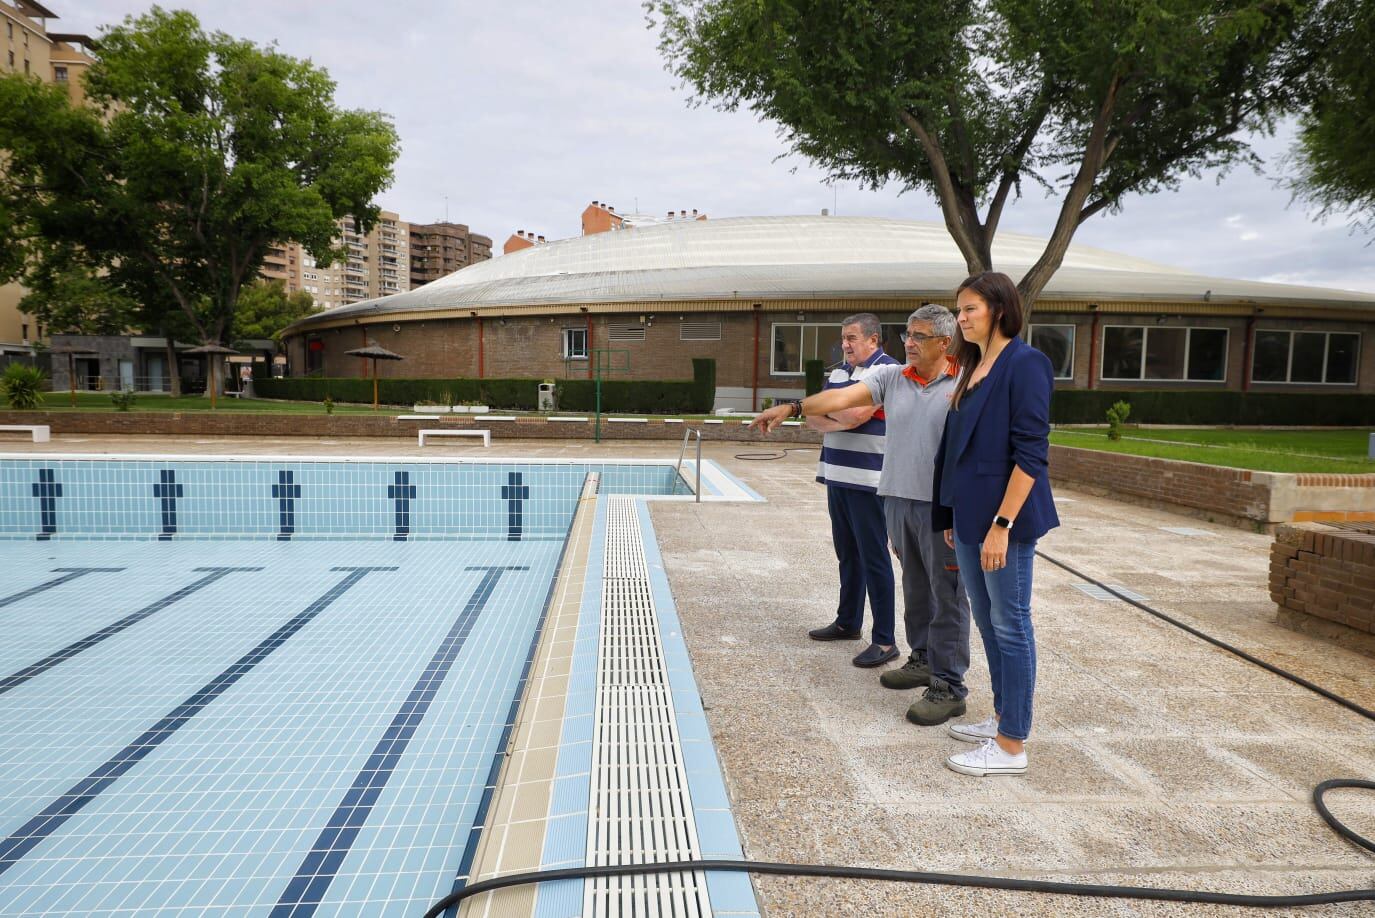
<point x="286" y="491"/>
<point x="17" y="679"/>
<point x="69" y="573"/>
<point x="465" y="863"/>
<point x="47" y="489"/>
<point x="27" y="836"/>
<point x="307" y="888"/>
<point x="167" y="491"/>
<point x="403" y="492"/>
<point x="514" y="493"/>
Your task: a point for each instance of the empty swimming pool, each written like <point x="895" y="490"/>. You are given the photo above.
<point x="265" y="687"/>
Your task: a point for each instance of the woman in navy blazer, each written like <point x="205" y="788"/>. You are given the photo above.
<point x="992" y="499"/>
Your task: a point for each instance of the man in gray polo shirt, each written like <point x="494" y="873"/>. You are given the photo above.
<point x="915" y="399"/>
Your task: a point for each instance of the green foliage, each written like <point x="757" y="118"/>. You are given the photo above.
<point x="814" y="372"/>
<point x="123" y="399"/>
<point x="70" y="298"/>
<point x="704" y="385"/>
<point x="23" y="385"/>
<point x="969" y="100"/>
<point x="329" y="405"/>
<point x="195" y="152"/>
<point x="1337" y="131"/>
<point x="1324" y="409"/>
<point x="1117" y="416"/>
<point x="265" y="308"/>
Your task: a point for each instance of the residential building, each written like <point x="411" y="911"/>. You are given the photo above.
<point x="27" y="46"/>
<point x="440" y="249"/>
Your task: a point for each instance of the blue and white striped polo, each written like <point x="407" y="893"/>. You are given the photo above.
<point x="854" y="458"/>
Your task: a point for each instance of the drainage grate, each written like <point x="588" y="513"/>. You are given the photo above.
<point x="1097" y="592"/>
<point x="641" y="811"/>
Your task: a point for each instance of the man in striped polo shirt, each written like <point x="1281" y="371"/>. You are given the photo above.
<point x="851" y="460"/>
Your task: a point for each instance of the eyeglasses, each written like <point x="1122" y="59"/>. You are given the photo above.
<point x="919" y="337"/>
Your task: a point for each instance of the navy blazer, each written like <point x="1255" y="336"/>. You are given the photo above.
<point x="1009" y="426"/>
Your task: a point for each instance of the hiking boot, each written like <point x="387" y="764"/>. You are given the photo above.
<point x="987" y="759"/>
<point x="937" y="705"/>
<point x="915" y="673"/>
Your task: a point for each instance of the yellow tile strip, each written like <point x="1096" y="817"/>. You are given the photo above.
<point x="513" y="839"/>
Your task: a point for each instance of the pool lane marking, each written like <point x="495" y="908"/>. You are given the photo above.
<point x="513" y="492"/>
<point x="14" y="680"/>
<point x="167" y="491"/>
<point x="320" y="866"/>
<point x="286" y="491"/>
<point x="403" y="492"/>
<point x="27" y="836"/>
<point x="69" y="573"/>
<point x="47" y="489"/>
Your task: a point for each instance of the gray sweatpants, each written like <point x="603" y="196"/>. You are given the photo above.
<point x="936" y="612"/>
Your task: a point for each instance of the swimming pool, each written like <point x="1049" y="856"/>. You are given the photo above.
<point x="240" y="687"/>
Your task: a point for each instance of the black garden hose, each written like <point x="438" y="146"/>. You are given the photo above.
<point x="1093" y="890"/>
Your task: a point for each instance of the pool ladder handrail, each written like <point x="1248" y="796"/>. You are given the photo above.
<point x="687" y="432"/>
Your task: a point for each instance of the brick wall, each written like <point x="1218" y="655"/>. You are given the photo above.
<point x="1234" y="493"/>
<point x="1324" y="573"/>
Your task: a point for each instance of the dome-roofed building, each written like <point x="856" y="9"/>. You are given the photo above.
<point x="764" y="294"/>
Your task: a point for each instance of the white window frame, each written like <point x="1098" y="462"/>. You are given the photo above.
<point x="567" y="343"/>
<point x="1289" y="357"/>
<point x="1188" y="343"/>
<point x="1073" y="343"/>
<point x="802" y="362"/>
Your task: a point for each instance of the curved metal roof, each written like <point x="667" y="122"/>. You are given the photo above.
<point x="772" y="258"/>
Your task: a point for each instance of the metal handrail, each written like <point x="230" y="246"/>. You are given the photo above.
<point x="697" y="490"/>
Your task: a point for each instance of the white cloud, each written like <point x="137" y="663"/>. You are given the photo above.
<point x="522" y="113"/>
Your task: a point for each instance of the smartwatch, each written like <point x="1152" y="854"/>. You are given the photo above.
<point x="1002" y="521"/>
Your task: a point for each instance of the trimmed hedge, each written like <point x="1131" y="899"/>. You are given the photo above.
<point x="639" y="396"/>
<point x="1083" y="406"/>
<point x="814" y="372"/>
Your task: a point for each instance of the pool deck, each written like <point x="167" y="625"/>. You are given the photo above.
<point x="1156" y="760"/>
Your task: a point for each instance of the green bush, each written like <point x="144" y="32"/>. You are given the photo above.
<point x="703" y="385"/>
<point x="815" y="372"/>
<point x="1117" y="416"/>
<point x="1198" y="407"/>
<point x="123" y="399"/>
<point x="22" y="386"/>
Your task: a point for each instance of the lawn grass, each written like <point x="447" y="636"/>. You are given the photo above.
<point x="100" y="401"/>
<point x="1339" y="451"/>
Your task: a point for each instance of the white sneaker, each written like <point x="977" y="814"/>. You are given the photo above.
<point x="987" y="759"/>
<point x="985" y="729"/>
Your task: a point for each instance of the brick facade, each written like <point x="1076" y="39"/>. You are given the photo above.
<point x="1324" y="573"/>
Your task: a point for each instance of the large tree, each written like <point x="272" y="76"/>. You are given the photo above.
<point x="194" y="153"/>
<point x="265" y="308"/>
<point x="1336" y="155"/>
<point x="970" y="99"/>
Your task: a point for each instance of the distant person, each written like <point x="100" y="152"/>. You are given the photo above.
<point x="993" y="501"/>
<point x="245" y="381"/>
<point x="851" y="458"/>
<point x="915" y="399"/>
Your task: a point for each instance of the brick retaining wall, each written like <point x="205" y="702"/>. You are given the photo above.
<point x="1325" y="574"/>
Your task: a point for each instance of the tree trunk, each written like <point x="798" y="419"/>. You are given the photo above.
<point x="173" y="370"/>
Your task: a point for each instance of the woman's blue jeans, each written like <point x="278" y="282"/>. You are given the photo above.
<point x="1000" y="602"/>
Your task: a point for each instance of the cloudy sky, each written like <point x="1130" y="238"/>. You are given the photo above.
<point x="516" y="115"/>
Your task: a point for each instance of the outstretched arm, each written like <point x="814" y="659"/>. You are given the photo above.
<point x="823" y="403"/>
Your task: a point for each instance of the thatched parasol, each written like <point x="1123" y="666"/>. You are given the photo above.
<point x="71" y="350"/>
<point x="214" y="351"/>
<point x="374" y="352"/>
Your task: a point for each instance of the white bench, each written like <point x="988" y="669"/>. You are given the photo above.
<point x="486" y="435"/>
<point x="417" y="417"/>
<point x="42" y="433"/>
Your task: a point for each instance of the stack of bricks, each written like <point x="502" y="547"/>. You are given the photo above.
<point x="1324" y="573"/>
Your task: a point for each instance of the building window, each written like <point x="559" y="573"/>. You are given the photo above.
<point x="1314" y="358"/>
<point x="60" y="74"/>
<point x="575" y="343"/>
<point x="1165" y="353"/>
<point x="796" y="342"/>
<point x="700" y="331"/>
<point x="1057" y="343"/>
<point x="24" y="332"/>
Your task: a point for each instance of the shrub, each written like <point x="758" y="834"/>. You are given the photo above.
<point x="22" y="386"/>
<point x="1158" y="406"/>
<point x="703" y="398"/>
<point x="123" y="400"/>
<point x="1117" y="416"/>
<point x="329" y="405"/>
<point x="815" y="372"/>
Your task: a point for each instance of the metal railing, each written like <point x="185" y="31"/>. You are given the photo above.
<point x="697" y="489"/>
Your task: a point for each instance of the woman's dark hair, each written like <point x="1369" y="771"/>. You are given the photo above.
<point x="1005" y="303"/>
